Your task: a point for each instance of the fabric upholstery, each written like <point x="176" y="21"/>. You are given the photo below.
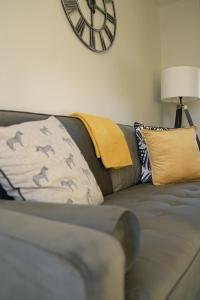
<point x="40" y="162"/>
<point x="115" y="221"/>
<point x="80" y="135"/>
<point x="169" y="258"/>
<point x="125" y="177"/>
<point x="168" y="264"/>
<point x="174" y="155"/>
<point x="46" y="260"/>
<point x="109" y="141"/>
<point x="44" y="276"/>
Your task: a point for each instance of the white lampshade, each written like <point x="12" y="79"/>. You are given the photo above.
<point x="181" y="81"/>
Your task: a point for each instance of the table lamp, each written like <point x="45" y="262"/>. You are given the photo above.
<point x="181" y="85"/>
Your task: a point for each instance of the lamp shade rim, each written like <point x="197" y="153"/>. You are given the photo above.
<point x="177" y="99"/>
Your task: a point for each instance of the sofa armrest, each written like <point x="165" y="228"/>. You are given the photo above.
<point x="46" y="260"/>
<point x="116" y="221"/>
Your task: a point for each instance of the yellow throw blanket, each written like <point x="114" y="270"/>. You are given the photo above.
<point x="108" y="139"/>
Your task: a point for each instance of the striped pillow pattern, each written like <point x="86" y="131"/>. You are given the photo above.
<point x="146" y="175"/>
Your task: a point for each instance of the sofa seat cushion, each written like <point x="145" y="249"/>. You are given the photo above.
<point x="169" y="261"/>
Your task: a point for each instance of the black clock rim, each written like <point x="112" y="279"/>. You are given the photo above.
<point x="90" y="27"/>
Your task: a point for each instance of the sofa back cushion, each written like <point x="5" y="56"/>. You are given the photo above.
<point x="125" y="177"/>
<point x="80" y="135"/>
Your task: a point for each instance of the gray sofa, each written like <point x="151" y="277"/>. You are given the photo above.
<point x="53" y="251"/>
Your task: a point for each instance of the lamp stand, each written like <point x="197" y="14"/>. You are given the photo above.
<point x="179" y="112"/>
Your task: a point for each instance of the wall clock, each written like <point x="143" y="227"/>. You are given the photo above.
<point x="93" y="22"/>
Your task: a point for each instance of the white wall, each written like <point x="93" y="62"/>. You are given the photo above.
<point x="180" y="45"/>
<point x="44" y="68"/>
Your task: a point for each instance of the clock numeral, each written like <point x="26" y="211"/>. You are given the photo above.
<point x="80" y="26"/>
<point x="106" y="14"/>
<point x="70" y="5"/>
<point x="92" y="39"/>
<point x="110" y="18"/>
<point x="109" y="33"/>
<point x="103" y="45"/>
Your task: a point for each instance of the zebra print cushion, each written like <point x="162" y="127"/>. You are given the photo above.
<point x="40" y="162"/>
<point x="143" y="154"/>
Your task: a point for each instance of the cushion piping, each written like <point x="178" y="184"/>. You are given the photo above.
<point x="12" y="186"/>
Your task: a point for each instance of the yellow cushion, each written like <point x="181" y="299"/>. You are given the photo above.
<point x="174" y="155"/>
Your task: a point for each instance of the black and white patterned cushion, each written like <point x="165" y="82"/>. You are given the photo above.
<point x="143" y="153"/>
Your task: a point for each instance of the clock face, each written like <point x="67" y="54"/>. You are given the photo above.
<point x="93" y="21"/>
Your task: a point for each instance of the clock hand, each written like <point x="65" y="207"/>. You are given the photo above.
<point x="92" y="18"/>
<point x="92" y="5"/>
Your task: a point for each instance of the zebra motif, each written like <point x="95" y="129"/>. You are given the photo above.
<point x="70" y="160"/>
<point x="68" y="141"/>
<point x="45" y="150"/>
<point x="89" y="196"/>
<point x="15" y="140"/>
<point x="40" y="176"/>
<point x="87" y="173"/>
<point x="70" y="184"/>
<point x="45" y="130"/>
<point x="61" y="126"/>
